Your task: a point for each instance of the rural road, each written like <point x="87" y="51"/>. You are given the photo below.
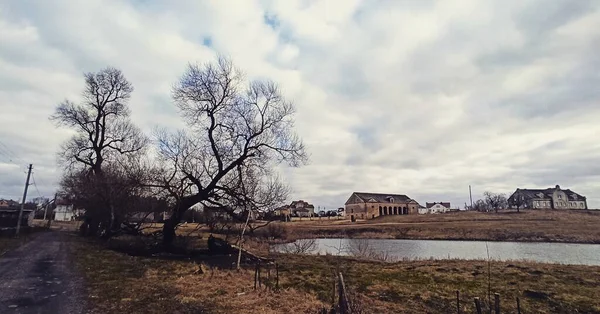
<point x="39" y="278"/>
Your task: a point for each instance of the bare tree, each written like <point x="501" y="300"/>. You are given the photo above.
<point x="517" y="200"/>
<point x="495" y="201"/>
<point x="300" y="246"/>
<point x="237" y="132"/>
<point x="101" y="121"/>
<point x="103" y="132"/>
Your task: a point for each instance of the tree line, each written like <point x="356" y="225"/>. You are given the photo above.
<point x="236" y="132"/>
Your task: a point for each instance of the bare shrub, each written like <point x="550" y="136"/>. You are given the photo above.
<point x="274" y="231"/>
<point x="362" y="248"/>
<point x="301" y="246"/>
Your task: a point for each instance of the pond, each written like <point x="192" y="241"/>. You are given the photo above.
<point x="544" y="252"/>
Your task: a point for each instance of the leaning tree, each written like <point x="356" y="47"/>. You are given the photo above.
<point x="237" y="132"/>
<point x="103" y="133"/>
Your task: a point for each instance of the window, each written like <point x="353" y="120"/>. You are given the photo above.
<point x="559" y="197"/>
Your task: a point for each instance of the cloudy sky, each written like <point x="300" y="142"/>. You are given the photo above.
<point x="413" y="97"/>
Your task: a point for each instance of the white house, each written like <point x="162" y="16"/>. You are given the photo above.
<point x="64" y="212"/>
<point x="435" y="208"/>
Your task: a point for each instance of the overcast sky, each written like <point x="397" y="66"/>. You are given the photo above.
<point x="411" y="97"/>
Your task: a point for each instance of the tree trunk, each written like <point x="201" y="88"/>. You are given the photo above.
<point x="169" y="230"/>
<point x="170" y="224"/>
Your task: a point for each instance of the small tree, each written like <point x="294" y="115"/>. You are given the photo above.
<point x="495" y="201"/>
<point x="517" y="200"/>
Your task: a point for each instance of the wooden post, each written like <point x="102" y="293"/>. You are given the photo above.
<point x="457" y="302"/>
<point x="255" y="276"/>
<point x="259" y="283"/>
<point x="497" y="303"/>
<point x="478" y="305"/>
<point x="518" y="306"/>
<point x="343" y="299"/>
<point x="268" y="282"/>
<point x="334" y="293"/>
<point x="276" y="276"/>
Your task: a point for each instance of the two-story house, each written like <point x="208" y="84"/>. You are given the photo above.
<point x="550" y="198"/>
<point x="363" y="205"/>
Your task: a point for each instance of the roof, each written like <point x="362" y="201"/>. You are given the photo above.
<point x="381" y="198"/>
<point x="445" y="204"/>
<point x="301" y="204"/>
<point x="547" y="193"/>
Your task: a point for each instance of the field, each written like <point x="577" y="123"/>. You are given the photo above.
<point x="548" y="226"/>
<point x="119" y="283"/>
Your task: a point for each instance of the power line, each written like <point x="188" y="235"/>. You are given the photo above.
<point x="35" y="185"/>
<point x="10" y="154"/>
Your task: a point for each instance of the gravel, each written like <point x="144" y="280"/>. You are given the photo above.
<point x="38" y="277"/>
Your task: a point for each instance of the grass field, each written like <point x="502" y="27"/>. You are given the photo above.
<point x="548" y="226"/>
<point x="119" y="283"/>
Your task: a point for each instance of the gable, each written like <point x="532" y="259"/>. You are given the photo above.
<point x="354" y="199"/>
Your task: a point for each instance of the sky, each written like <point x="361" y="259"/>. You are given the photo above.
<point x="422" y="98"/>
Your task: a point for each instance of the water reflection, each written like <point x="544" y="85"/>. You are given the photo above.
<point x="563" y="253"/>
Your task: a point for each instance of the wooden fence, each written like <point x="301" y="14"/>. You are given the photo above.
<point x="340" y="302"/>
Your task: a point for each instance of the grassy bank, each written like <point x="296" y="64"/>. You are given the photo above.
<point x="529" y="226"/>
<point x="119" y="283"/>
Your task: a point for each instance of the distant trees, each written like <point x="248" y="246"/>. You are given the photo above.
<point x="495" y="201"/>
<point x="480" y="206"/>
<point x="103" y="133"/>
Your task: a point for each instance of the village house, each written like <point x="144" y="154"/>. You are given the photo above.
<point x="435" y="208"/>
<point x="362" y="205"/>
<point x="550" y="198"/>
<point x="301" y="209"/>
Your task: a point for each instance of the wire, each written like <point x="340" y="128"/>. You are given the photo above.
<point x="35" y="185"/>
<point x="8" y="153"/>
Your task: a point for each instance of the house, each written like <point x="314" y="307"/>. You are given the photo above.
<point x="64" y="211"/>
<point x="363" y="205"/>
<point x="9" y="218"/>
<point x="435" y="207"/>
<point x="550" y="198"/>
<point x="302" y="209"/>
<point x="8" y="203"/>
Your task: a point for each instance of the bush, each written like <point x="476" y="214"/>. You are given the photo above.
<point x="274" y="231"/>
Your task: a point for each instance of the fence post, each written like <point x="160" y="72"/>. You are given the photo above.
<point x="518" y="306"/>
<point x="497" y="303"/>
<point x="276" y="276"/>
<point x="457" y="302"/>
<point x="255" y="276"/>
<point x="343" y="301"/>
<point x="259" y="281"/>
<point x="268" y="284"/>
<point x="334" y="293"/>
<point x="478" y="305"/>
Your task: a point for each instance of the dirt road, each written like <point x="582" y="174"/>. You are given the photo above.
<point x="39" y="278"/>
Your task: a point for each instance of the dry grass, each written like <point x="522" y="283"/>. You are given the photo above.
<point x="119" y="283"/>
<point x="547" y="226"/>
<point x="430" y="286"/>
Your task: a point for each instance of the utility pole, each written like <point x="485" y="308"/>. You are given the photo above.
<point x="471" y="196"/>
<point x="48" y="204"/>
<point x="24" y="198"/>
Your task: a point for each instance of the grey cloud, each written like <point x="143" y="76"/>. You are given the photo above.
<point x="542" y="17"/>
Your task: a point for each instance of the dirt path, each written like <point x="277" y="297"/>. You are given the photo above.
<point x="39" y="278"/>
